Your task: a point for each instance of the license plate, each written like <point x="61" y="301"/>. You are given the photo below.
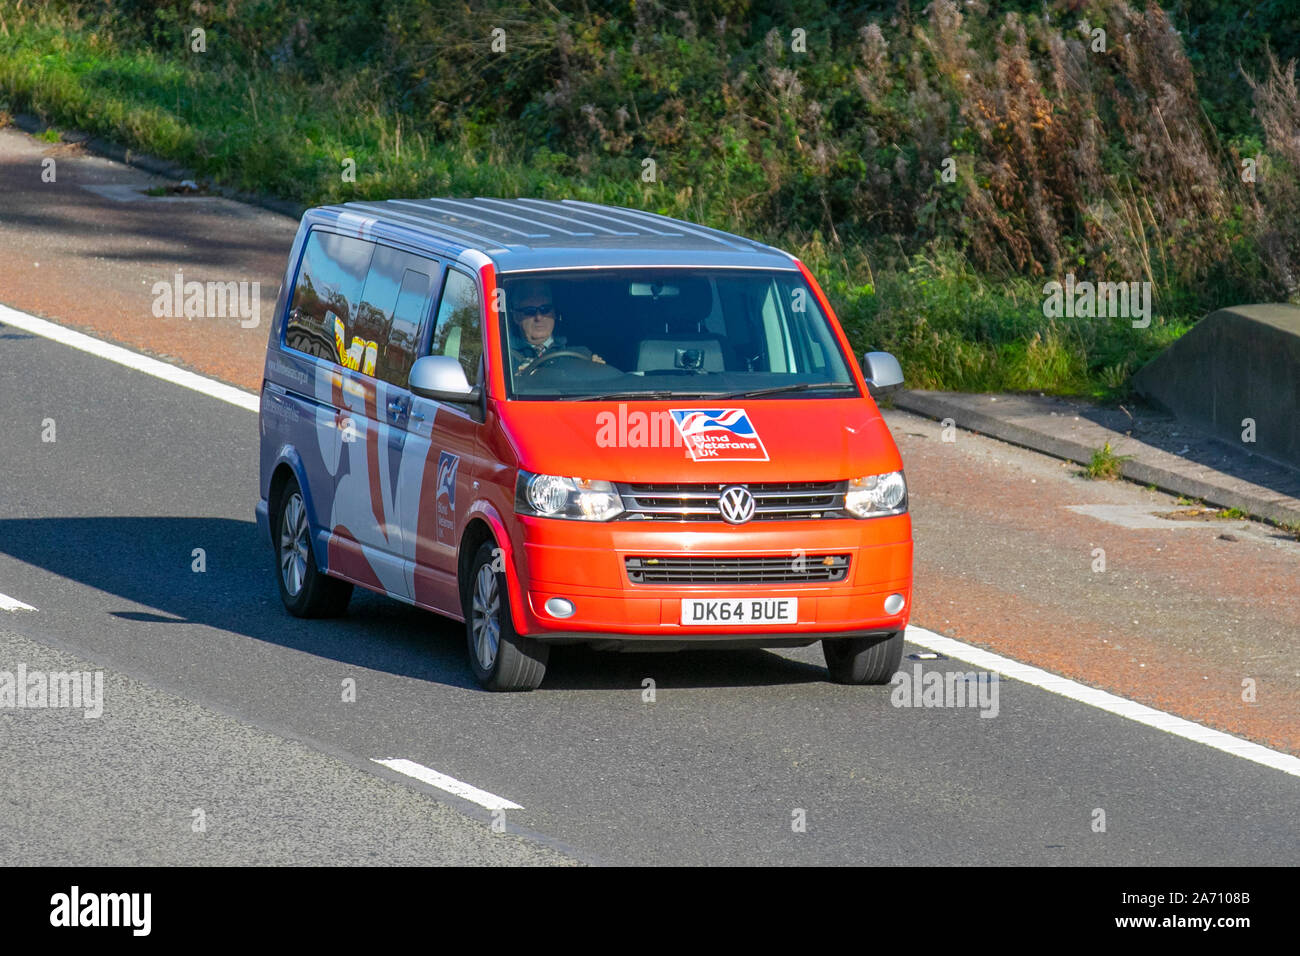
<point x="731" y="612"/>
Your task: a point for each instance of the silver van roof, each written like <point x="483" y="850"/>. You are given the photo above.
<point x="528" y="234"/>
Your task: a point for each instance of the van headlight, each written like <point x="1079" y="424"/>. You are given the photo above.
<point x="554" y="496"/>
<point x="876" y="496"/>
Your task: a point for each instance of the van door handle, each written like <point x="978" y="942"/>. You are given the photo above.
<point x="396" y="406"/>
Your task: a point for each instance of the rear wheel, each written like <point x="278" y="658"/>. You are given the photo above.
<point x="502" y="659"/>
<point x="863" y="660"/>
<point x="305" y="590"/>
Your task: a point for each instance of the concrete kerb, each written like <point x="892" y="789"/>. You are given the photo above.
<point x="1133" y="469"/>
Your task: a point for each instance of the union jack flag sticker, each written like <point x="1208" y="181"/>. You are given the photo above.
<point x="719" y="434"/>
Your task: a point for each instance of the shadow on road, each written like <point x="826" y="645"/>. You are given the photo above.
<point x="148" y="562"/>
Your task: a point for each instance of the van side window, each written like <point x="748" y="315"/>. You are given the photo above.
<point x="403" y="338"/>
<point x="774" y="333"/>
<point x="746" y="334"/>
<point x="459" y="329"/>
<point x="327" y="297"/>
<point x="393" y="304"/>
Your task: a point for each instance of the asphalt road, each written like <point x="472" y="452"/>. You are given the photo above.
<point x="215" y="697"/>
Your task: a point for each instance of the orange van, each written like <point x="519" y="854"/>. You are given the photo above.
<point x="562" y="422"/>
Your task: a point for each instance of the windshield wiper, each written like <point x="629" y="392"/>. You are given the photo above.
<point x="798" y="387"/>
<point x="648" y="396"/>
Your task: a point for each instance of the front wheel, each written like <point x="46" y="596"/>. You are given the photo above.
<point x="863" y="660"/>
<point x="502" y="659"/>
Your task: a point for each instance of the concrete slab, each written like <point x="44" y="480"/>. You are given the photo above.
<point x="1145" y="518"/>
<point x="1236" y="366"/>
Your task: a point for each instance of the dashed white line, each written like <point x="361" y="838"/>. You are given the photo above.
<point x="1111" y="703"/>
<point x="141" y="363"/>
<point x="13" y="604"/>
<point x="448" y="784"/>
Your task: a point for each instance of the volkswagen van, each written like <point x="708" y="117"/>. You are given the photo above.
<point x="558" y="422"/>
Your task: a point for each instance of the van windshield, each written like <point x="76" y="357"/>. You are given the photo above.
<point x="668" y="333"/>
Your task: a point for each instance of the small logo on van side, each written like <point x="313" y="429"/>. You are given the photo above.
<point x="445" y="510"/>
<point x="719" y="434"/>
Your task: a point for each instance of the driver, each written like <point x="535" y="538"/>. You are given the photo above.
<point x="532" y="313"/>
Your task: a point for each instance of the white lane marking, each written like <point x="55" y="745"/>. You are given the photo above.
<point x="141" y="363"/>
<point x="450" y="784"/>
<point x="1110" y="703"/>
<point x="13" y="604"/>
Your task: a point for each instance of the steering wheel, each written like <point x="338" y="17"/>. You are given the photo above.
<point x="530" y="367"/>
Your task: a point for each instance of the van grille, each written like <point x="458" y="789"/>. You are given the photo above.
<point x="768" y="569"/>
<point x="775" y="501"/>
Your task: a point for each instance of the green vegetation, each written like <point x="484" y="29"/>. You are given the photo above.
<point x="934" y="163"/>
<point x="1106" y="465"/>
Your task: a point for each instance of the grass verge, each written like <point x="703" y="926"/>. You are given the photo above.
<point x="952" y="326"/>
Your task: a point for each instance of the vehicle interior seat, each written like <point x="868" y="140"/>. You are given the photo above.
<point x="675" y="336"/>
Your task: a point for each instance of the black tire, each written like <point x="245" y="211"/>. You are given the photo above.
<point x="863" y="660"/>
<point x="317" y="594"/>
<point x="517" y="662"/>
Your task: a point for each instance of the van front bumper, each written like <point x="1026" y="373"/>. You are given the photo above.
<point x="586" y="565"/>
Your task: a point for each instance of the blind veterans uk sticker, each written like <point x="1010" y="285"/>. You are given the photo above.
<point x="719" y="434"/>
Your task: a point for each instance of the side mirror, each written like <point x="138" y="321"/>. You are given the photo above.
<point x="441" y="378"/>
<point x="882" y="371"/>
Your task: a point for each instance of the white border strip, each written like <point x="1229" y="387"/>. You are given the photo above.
<point x="1110" y="703"/>
<point x="449" y="784"/>
<point x="13" y="604"/>
<point x="141" y="363"/>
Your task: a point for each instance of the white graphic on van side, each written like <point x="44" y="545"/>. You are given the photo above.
<point x="445" y="499"/>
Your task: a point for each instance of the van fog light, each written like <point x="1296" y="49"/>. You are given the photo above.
<point x="559" y="607"/>
<point x="894" y="603"/>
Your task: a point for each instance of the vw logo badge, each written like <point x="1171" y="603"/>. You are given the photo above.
<point x="736" y="504"/>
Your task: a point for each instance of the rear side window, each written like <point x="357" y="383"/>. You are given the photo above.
<point x="360" y="305"/>
<point x="393" y="304"/>
<point x="403" y="339"/>
<point x="459" y="330"/>
<point x="327" y="298"/>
